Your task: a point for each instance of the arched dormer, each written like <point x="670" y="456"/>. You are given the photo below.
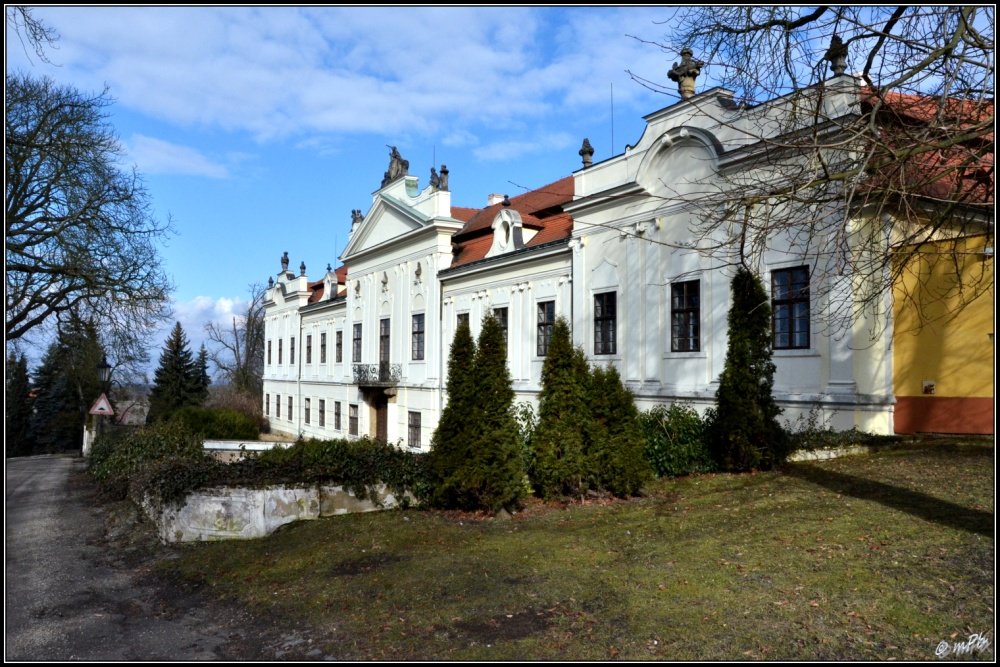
<point x="681" y="163"/>
<point x="508" y="234"/>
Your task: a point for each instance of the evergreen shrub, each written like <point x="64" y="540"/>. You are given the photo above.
<point x="615" y="447"/>
<point x="675" y="443"/>
<point x="744" y="433"/>
<point x="217" y="424"/>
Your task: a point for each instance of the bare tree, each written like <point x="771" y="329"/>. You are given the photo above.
<point x="80" y="235"/>
<point x="31" y="31"/>
<point x="865" y="192"/>
<point x="238" y="350"/>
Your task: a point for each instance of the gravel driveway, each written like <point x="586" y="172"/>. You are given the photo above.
<point x="80" y="584"/>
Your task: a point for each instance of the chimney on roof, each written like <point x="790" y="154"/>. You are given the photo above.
<point x="494" y="199"/>
<point x="685" y="72"/>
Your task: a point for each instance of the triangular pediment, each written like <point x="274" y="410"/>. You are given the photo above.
<point x="388" y="219"/>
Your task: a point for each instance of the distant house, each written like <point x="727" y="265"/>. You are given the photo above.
<point x="363" y="350"/>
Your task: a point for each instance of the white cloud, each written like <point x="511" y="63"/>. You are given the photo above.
<point x="276" y="71"/>
<point x="194" y="315"/>
<point x="508" y="150"/>
<point x="155" y="156"/>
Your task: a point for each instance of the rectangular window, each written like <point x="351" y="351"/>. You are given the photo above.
<point x="268" y="353"/>
<point x="546" y="320"/>
<point x="279" y="350"/>
<point x="340" y="347"/>
<point x="417" y="340"/>
<point x="336" y="415"/>
<point x="309" y="349"/>
<point x="322" y="412"/>
<point x="267" y="405"/>
<point x="414" y="430"/>
<point x="352" y="419"/>
<point x="289" y="408"/>
<point x="307" y="410"/>
<point x="383" y="341"/>
<point x="277" y="406"/>
<point x="322" y="348"/>
<point x="463" y="317"/>
<point x="790" y="308"/>
<point x="356" y="352"/>
<point x="605" y="311"/>
<point x="501" y="315"/>
<point x="291" y="350"/>
<point x="685" y="316"/>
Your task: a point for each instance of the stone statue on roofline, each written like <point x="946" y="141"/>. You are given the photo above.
<point x="398" y="167"/>
<point x="435" y="179"/>
<point x="443" y="180"/>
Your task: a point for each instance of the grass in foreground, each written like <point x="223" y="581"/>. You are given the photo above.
<point x="875" y="557"/>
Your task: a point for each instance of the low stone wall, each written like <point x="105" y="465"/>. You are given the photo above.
<point x="827" y="454"/>
<point x="240" y="513"/>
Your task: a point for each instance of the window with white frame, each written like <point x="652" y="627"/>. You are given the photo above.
<point x="417" y="338"/>
<point x="352" y="419"/>
<point x="790" y="308"/>
<point x="605" y="323"/>
<point x="413" y="429"/>
<point x="685" y="316"/>
<point x="546" y="320"/>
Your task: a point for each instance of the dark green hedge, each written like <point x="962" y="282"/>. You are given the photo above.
<point x="169" y="461"/>
<point x="675" y="443"/>
<point x="217" y="423"/>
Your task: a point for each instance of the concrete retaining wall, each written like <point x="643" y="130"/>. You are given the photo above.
<point x="240" y="513"/>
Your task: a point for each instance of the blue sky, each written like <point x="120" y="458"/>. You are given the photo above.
<point x="258" y="130"/>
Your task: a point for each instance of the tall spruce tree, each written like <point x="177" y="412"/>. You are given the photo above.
<point x="743" y="433"/>
<point x="177" y="382"/>
<point x="459" y="421"/>
<point x="492" y="474"/>
<point x="615" y="455"/>
<point x="563" y="418"/>
<point x="203" y="378"/>
<point x="67" y="384"/>
<point x="18" y="403"/>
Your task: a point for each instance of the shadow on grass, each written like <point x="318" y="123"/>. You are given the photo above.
<point x="905" y="500"/>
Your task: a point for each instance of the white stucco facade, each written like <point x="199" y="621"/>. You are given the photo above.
<point x="616" y="238"/>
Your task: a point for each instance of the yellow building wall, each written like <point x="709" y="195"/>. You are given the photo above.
<point x="943" y="334"/>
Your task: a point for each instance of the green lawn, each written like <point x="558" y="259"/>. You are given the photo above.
<point x="874" y="557"/>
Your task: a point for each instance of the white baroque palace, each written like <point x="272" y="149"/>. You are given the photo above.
<point x="363" y="351"/>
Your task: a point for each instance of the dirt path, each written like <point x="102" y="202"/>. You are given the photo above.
<point x="80" y="583"/>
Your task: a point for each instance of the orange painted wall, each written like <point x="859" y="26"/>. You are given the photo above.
<point x="943" y="349"/>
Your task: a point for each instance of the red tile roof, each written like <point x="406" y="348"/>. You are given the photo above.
<point x="462" y="213"/>
<point x="533" y="205"/>
<point x="956" y="171"/>
<point x="316" y="287"/>
<point x="540" y="210"/>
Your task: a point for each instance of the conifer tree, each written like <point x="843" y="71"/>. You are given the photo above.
<point x="459" y="421"/>
<point x="18" y="403"/>
<point x="563" y="418"/>
<point x="492" y="474"/>
<point x="67" y="384"/>
<point x="615" y="453"/>
<point x="177" y="381"/>
<point x="203" y="378"/>
<point x="743" y="433"/>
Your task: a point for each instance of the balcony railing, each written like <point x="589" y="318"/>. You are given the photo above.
<point x="382" y="374"/>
